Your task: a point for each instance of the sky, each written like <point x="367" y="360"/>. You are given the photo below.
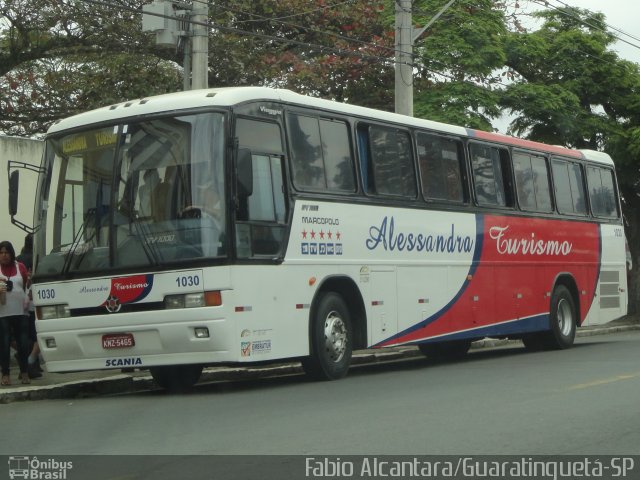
<point x="620" y="14"/>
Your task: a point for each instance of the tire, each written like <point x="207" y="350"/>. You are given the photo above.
<point x="176" y="378"/>
<point x="331" y="339"/>
<point x="445" y="350"/>
<point x="563" y="319"/>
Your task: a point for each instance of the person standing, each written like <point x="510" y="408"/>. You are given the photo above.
<point x="13" y="280"/>
<point x="26" y="258"/>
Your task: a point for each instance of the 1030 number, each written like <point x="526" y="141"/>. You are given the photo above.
<point x="188" y="281"/>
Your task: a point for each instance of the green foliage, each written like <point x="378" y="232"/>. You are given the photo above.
<point x="456" y="60"/>
<point x="62" y="57"/>
<point x="571" y="89"/>
<point x="458" y="103"/>
<point x="337" y="53"/>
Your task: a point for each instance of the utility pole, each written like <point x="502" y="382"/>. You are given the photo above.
<point x="200" y="48"/>
<point x="405" y="39"/>
<point x="176" y="23"/>
<point x="404" y="58"/>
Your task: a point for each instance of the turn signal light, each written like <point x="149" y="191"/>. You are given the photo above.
<point x="213" y="299"/>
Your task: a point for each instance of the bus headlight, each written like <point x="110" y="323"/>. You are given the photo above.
<point x="192" y="300"/>
<point x="188" y="300"/>
<point x="47" y="312"/>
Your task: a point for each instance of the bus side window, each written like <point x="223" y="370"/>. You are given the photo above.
<point x="440" y="161"/>
<point x="540" y="169"/>
<point x="491" y="175"/>
<point x="524" y="181"/>
<point x="260" y="231"/>
<point x="390" y="167"/>
<point x="532" y="182"/>
<point x="364" y="155"/>
<point x="321" y="156"/>
<point x="601" y="192"/>
<point x="266" y="202"/>
<point x="568" y="182"/>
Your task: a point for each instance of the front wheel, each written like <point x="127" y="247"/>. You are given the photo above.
<point x="176" y="378"/>
<point x="331" y="339"/>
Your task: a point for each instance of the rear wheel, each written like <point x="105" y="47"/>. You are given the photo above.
<point x="563" y="320"/>
<point x="331" y="339"/>
<point x="445" y="350"/>
<point x="176" y="378"/>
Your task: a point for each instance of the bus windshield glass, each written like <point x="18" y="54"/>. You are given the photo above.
<point x="133" y="195"/>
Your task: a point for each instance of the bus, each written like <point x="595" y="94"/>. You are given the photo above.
<point x="252" y="225"/>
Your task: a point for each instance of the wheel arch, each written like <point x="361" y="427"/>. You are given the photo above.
<point x="567" y="280"/>
<point x="349" y="291"/>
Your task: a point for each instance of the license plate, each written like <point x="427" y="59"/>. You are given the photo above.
<point x="118" y="340"/>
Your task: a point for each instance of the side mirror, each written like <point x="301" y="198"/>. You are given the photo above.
<point x="14" y="181"/>
<point x="244" y="172"/>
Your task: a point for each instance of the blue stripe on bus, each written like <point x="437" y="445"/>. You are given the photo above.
<point x="472" y="269"/>
<point x="535" y="323"/>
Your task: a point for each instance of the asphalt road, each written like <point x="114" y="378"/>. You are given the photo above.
<point x="496" y="401"/>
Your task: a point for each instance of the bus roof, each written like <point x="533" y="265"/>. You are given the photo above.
<point x="230" y="96"/>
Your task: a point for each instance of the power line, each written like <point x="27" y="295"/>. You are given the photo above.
<point x="302" y="27"/>
<point x="607" y="24"/>
<point x="321" y="48"/>
<point x="342" y="37"/>
<point x="564" y="11"/>
<point x="327" y="7"/>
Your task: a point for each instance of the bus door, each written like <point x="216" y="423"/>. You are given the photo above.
<point x="261" y="211"/>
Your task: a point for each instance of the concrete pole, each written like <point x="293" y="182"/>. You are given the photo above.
<point x="186" y="64"/>
<point x="404" y="60"/>
<point x="200" y="49"/>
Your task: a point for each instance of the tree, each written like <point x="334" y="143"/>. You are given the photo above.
<point x="572" y="90"/>
<point x="60" y="55"/>
<point x="58" y="58"/>
<point x="456" y="62"/>
<point x="336" y="51"/>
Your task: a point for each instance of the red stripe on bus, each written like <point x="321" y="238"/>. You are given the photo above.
<point x="518" y="255"/>
<point x="528" y="144"/>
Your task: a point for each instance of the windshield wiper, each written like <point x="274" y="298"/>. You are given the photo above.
<point x="149" y="249"/>
<point x="94" y="214"/>
<point x="91" y="213"/>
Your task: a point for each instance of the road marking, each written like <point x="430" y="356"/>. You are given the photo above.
<point x="604" y="381"/>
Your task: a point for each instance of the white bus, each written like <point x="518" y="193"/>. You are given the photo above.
<point x="241" y="225"/>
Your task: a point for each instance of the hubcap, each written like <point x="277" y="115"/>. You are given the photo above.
<point x="335" y="336"/>
<point x="565" y="319"/>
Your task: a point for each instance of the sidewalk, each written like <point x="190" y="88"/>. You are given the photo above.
<point x="103" y="382"/>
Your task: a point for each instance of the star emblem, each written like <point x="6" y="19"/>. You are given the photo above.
<point x="112" y="304"/>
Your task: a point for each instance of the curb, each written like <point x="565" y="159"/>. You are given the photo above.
<point x="142" y="381"/>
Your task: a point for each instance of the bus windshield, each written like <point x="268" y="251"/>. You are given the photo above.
<point x="132" y="195"/>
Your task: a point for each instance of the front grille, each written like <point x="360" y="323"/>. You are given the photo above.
<point x="126" y="308"/>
